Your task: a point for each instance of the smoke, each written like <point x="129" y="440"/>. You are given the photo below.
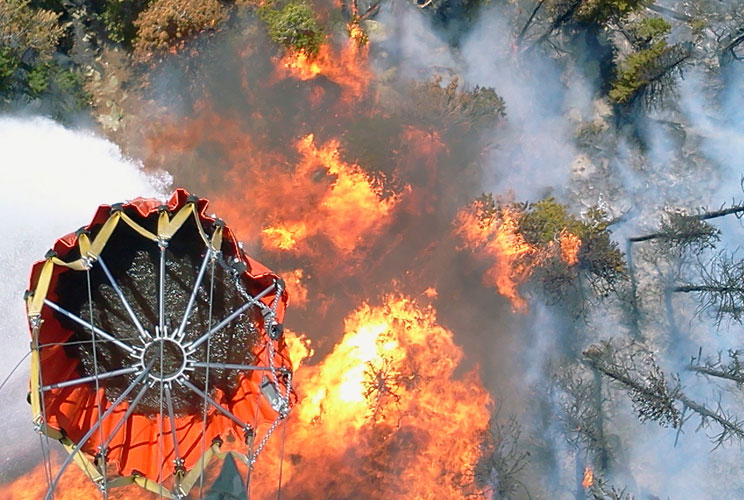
<point x="545" y="103"/>
<point x="53" y="178"/>
<point x="227" y="124"/>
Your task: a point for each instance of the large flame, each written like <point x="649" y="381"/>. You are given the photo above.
<point x="383" y="413"/>
<point x="75" y="485"/>
<point x="319" y="197"/>
<point x="346" y="210"/>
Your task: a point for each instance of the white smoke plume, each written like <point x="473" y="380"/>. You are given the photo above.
<point x="53" y="178"/>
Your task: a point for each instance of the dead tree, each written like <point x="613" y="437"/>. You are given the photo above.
<point x="721" y="287"/>
<point x="350" y="10"/>
<point x="732" y="369"/>
<point x="680" y="231"/>
<point x="658" y="398"/>
<point x="600" y="490"/>
<point x="578" y="395"/>
<point x="679" y="235"/>
<point x="502" y="460"/>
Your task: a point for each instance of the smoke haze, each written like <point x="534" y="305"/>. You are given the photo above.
<point x="345" y="178"/>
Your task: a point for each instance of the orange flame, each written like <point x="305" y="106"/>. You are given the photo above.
<point x="385" y="408"/>
<point x="514" y="260"/>
<point x="499" y="238"/>
<point x="300" y="65"/>
<point x="293" y="204"/>
<point x="296" y="288"/>
<point x="347" y="67"/>
<point x="570" y="246"/>
<point x="357" y="34"/>
<point x="588" y="478"/>
<point x="348" y="210"/>
<point x="74" y="485"/>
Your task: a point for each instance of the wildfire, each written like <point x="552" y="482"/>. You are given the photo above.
<point x="499" y="238"/>
<point x="75" y="485"/>
<point x="285" y="237"/>
<point x="300" y="65"/>
<point x="495" y="233"/>
<point x="345" y="66"/>
<point x="292" y="203"/>
<point x="349" y="209"/>
<point x="588" y="478"/>
<point x="383" y="411"/>
<point x="357" y="34"/>
<point x="570" y="246"/>
<point x="296" y="288"/>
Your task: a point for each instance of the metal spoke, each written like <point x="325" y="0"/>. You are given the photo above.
<point x="124" y="417"/>
<point x="251" y="302"/>
<point x="228" y="366"/>
<point x="89" y="326"/>
<point x="95" y="427"/>
<point x="144" y="336"/>
<point x="91" y="378"/>
<point x="266" y="310"/>
<point x="194" y="293"/>
<point x="171" y="416"/>
<point x="214" y="403"/>
<point x="97" y="381"/>
<point x="206" y="383"/>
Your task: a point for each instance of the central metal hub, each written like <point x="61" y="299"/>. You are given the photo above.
<point x="169" y="358"/>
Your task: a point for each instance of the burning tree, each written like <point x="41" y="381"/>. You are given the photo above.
<point x="543" y="242"/>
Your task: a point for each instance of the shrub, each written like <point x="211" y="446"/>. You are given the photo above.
<point x="294" y="27"/>
<point x="168" y="23"/>
<point x="24" y="27"/>
<point x="118" y="17"/>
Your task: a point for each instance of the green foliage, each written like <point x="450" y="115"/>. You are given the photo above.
<point x="37" y="79"/>
<point x="544" y="221"/>
<point x="293" y="26"/>
<point x="8" y="65"/>
<point x="28" y="76"/>
<point x="601" y="11"/>
<point x="51" y="80"/>
<point x="635" y="71"/>
<point x="60" y="89"/>
<point x="652" y="28"/>
<point x="118" y="17"/>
